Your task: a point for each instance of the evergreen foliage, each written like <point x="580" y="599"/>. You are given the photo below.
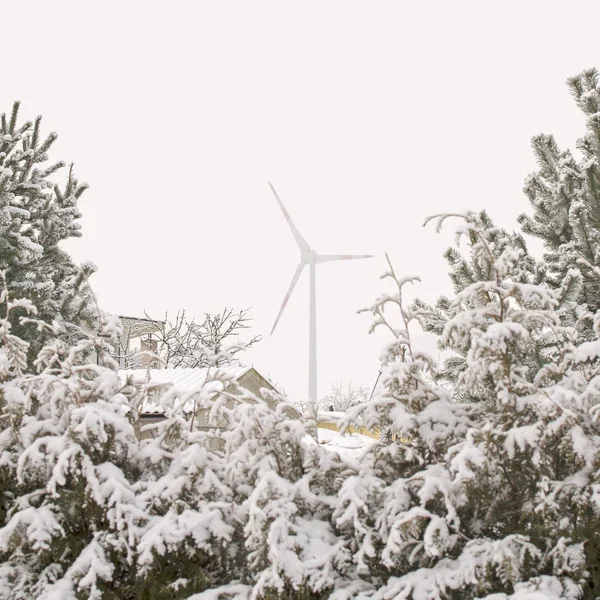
<point x="565" y="195"/>
<point x="67" y="459"/>
<point x="485" y="484"/>
<point x="36" y="215"/>
<point x="482" y="297"/>
<point x="494" y="498"/>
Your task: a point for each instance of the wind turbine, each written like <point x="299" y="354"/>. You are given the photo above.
<point x="308" y="257"/>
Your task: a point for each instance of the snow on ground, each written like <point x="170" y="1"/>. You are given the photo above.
<point x="349" y="446"/>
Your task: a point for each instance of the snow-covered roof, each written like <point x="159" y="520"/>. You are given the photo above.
<point x="183" y="383"/>
<point x="136" y="326"/>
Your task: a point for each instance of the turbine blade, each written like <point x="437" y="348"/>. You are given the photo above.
<point x="302" y="243"/>
<point x="289" y="293"/>
<point x="321" y="258"/>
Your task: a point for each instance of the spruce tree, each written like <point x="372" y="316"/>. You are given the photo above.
<point x="36" y="215"/>
<point x="565" y="195"/>
<point x="495" y="250"/>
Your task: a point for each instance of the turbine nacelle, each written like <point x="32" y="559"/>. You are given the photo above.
<point x="310" y="257"/>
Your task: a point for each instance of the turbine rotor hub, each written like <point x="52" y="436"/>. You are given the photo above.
<point x="310" y="257"/>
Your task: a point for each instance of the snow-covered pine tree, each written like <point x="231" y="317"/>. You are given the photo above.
<point x="88" y="511"/>
<point x="491" y="499"/>
<point x="36" y="215"/>
<point x="68" y="464"/>
<point x="565" y="195"/>
<point x="480" y="268"/>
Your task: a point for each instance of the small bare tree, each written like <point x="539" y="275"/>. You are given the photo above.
<point x="188" y="343"/>
<point x="341" y="397"/>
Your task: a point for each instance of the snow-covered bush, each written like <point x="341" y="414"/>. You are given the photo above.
<point x="68" y="460"/>
<point x="246" y="506"/>
<point x="493" y="489"/>
<point x="89" y="511"/>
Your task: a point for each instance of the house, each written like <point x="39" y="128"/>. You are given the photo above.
<point x="138" y="341"/>
<point x="185" y="386"/>
<point x="139" y="335"/>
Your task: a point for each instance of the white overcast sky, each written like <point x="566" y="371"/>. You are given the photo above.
<point x="366" y="116"/>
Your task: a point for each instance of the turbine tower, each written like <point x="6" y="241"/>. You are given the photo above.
<point x="311" y="258"/>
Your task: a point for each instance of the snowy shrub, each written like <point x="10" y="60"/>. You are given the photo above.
<point x="70" y="514"/>
<point x="88" y="511"/>
<point x="493" y="487"/>
<point x="247" y="504"/>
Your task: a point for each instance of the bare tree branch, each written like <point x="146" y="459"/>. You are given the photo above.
<point x="184" y="342"/>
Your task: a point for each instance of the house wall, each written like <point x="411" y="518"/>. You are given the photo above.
<point x="138" y="335"/>
<point x="146" y="420"/>
<point x="251" y="382"/>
